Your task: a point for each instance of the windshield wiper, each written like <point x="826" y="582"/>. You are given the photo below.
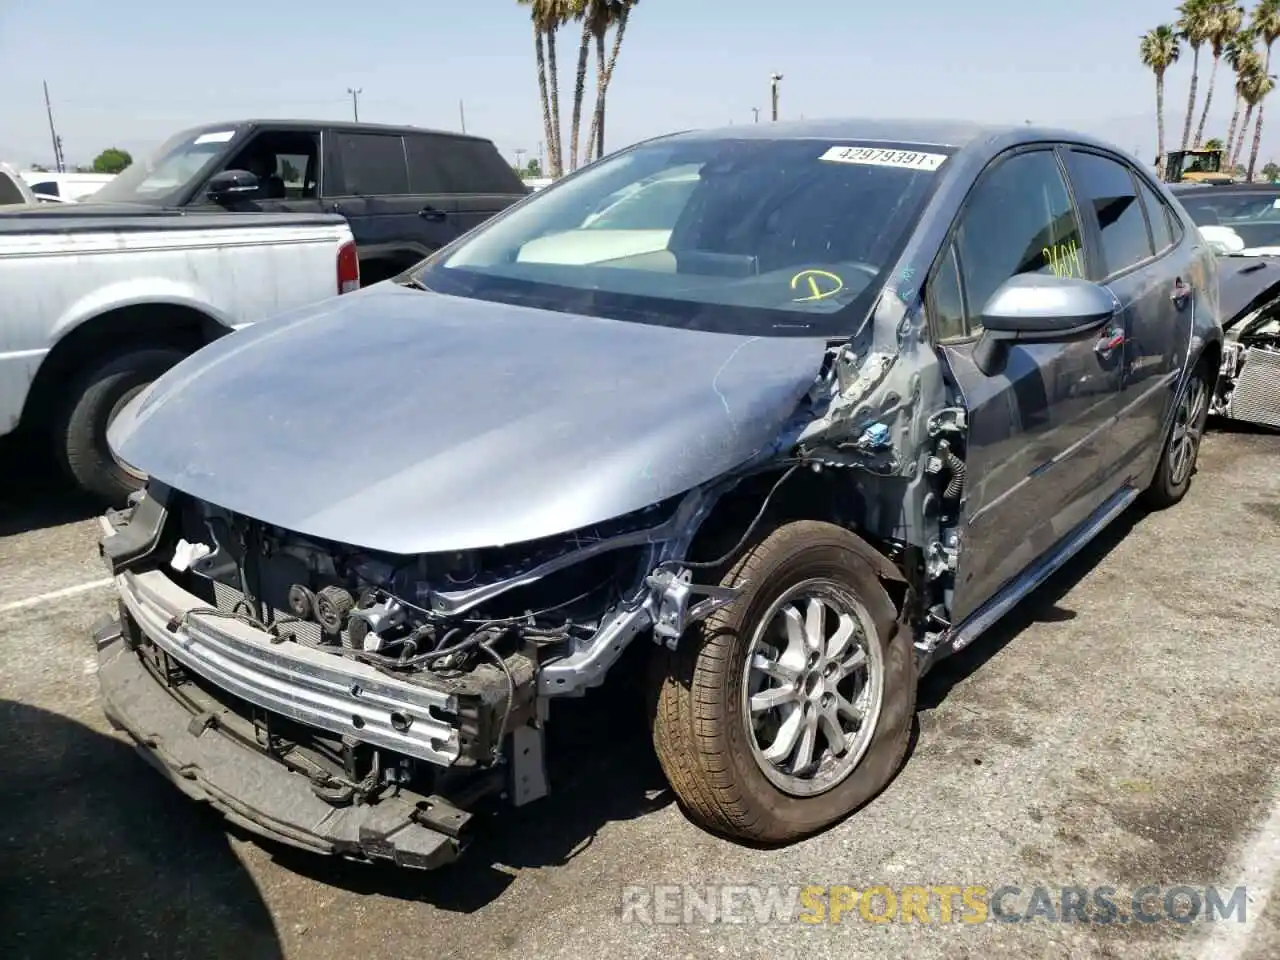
<point x="412" y="282"/>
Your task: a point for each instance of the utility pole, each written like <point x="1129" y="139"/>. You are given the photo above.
<point x="773" y="91"/>
<point x="355" y="102"/>
<point x="756" y="112"/>
<point x="462" y="117"/>
<point x="53" y="133"/>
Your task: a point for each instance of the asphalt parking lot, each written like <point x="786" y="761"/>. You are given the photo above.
<point x="1120" y="729"/>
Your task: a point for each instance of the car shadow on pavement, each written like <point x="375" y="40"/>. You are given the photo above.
<point x="100" y="857"/>
<point x="602" y="769"/>
<point x="1043" y="605"/>
<point x="34" y="494"/>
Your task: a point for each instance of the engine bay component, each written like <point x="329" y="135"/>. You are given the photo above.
<point x="302" y="602"/>
<point x="332" y="605"/>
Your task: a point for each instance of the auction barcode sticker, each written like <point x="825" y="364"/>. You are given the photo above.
<point x="875" y="157"/>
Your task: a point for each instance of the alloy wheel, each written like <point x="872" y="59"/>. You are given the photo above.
<point x="813" y="687"/>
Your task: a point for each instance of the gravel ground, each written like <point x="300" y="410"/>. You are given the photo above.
<point x="1119" y="729"/>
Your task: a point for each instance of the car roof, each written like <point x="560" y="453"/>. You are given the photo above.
<point x="942" y="133"/>
<point x="343" y="125"/>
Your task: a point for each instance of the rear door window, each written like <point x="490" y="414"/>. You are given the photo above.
<point x="474" y="166"/>
<point x="1106" y="187"/>
<point x="425" y="175"/>
<point x="373" y="164"/>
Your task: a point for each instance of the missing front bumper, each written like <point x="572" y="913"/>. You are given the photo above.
<point x="253" y="790"/>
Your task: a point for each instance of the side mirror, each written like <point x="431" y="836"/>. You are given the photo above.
<point x="231" y="184"/>
<point x="1038" y="308"/>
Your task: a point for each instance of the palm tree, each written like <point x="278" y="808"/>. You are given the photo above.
<point x="548" y="16"/>
<point x="1224" y="21"/>
<point x="1160" y="50"/>
<point x="1262" y="85"/>
<point x="1240" y="54"/>
<point x="615" y="13"/>
<point x="594" y="15"/>
<point x="1266" y="25"/>
<point x="1248" y="83"/>
<point x="1194" y="20"/>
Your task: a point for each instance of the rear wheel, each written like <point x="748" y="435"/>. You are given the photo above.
<point x="791" y="707"/>
<point x="1182" y="446"/>
<point x="99" y="396"/>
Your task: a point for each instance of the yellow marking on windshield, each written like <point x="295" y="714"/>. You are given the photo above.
<point x="829" y="286"/>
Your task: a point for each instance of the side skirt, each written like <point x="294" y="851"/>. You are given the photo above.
<point x="936" y="648"/>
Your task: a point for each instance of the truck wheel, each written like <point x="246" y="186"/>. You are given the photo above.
<point x="80" y="440"/>
<point x="1182" y="445"/>
<point x="791" y="707"/>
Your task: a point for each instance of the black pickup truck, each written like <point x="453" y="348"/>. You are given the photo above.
<point x="405" y="191"/>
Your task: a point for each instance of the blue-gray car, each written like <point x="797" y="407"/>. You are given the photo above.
<point x="795" y="410"/>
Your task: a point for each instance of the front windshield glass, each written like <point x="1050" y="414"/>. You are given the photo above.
<point x="1237" y="223"/>
<point x="754" y="236"/>
<point x="162" y="177"/>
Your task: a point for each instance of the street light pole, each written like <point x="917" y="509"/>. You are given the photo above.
<point x="773" y="90"/>
<point x="355" y="102"/>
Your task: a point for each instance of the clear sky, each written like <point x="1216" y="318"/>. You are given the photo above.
<point x="132" y="72"/>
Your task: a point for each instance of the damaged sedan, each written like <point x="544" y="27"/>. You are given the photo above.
<point x="797" y="410"/>
<point x="1241" y="223"/>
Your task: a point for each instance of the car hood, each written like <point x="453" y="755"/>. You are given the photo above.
<point x="1242" y="282"/>
<point x="413" y="422"/>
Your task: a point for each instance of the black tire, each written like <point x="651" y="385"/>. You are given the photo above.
<point x="700" y="735"/>
<point x="1172" y="479"/>
<point x="80" y="433"/>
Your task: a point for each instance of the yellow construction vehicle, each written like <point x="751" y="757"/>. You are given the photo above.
<point x="1193" y="166"/>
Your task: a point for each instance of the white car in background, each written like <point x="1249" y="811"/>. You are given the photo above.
<point x="66" y="187"/>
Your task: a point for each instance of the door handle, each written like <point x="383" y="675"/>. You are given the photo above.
<point x="431" y="213"/>
<point x="1181" y="291"/>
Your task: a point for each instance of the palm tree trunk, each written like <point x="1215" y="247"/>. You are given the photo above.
<point x="579" y="89"/>
<point x="1191" y="100"/>
<point x="1160" y="114"/>
<point x="553" y="78"/>
<point x="593" y="137"/>
<point x="542" y="91"/>
<point x="1257" y="130"/>
<point x="1235" y="153"/>
<point x="1231" y="130"/>
<point x="608" y="77"/>
<point x="1208" y="98"/>
<point x="1257" y="142"/>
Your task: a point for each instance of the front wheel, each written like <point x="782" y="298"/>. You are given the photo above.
<point x="1182" y="447"/>
<point x="791" y="707"/>
<point x="97" y="398"/>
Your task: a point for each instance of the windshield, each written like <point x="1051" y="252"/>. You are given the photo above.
<point x="162" y="177"/>
<point x="1218" y="208"/>
<point x="1237" y="223"/>
<point x="1201" y="163"/>
<point x="753" y="236"/>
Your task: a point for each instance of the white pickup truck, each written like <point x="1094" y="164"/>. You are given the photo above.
<point x="96" y="306"/>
